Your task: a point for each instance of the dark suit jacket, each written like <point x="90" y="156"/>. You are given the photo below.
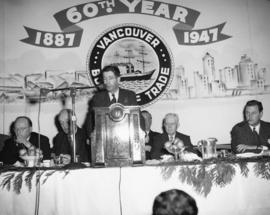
<point x="10" y="152"/>
<point x="126" y="97"/>
<point x="242" y="134"/>
<point x="102" y="99"/>
<point x="61" y="144"/>
<point x="159" y="141"/>
<point x="152" y="135"/>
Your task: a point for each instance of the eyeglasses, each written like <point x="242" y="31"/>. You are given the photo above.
<point x="21" y="128"/>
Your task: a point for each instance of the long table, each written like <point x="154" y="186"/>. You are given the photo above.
<point x="218" y="188"/>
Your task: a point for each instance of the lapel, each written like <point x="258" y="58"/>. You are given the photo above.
<point x="121" y="96"/>
<point x="249" y="136"/>
<point x="248" y="130"/>
<point x="263" y="133"/>
<point x="107" y="100"/>
<point x="150" y="133"/>
<point x="34" y="139"/>
<point x="31" y="139"/>
<point x="262" y="129"/>
<point x="165" y="137"/>
<point x="180" y="136"/>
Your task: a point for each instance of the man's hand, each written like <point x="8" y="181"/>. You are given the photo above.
<point x="148" y="148"/>
<point x="243" y="147"/>
<point x="65" y="158"/>
<point x="23" y="141"/>
<point x="18" y="164"/>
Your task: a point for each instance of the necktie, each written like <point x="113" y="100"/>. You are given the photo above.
<point x="171" y="138"/>
<point x="113" y="99"/>
<point x="256" y="135"/>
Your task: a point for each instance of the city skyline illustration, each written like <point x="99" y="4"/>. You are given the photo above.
<point x="244" y="78"/>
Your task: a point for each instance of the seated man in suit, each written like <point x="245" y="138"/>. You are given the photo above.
<point x="149" y="134"/>
<point x="24" y="140"/>
<point x="171" y="124"/>
<point x="3" y="138"/>
<point x="252" y="134"/>
<point x="111" y="94"/>
<point x="62" y="145"/>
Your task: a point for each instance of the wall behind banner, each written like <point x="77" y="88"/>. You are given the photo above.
<point x="204" y="111"/>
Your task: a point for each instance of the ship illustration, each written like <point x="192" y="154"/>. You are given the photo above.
<point x="126" y="65"/>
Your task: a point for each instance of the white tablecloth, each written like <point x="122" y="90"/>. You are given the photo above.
<point x="131" y="191"/>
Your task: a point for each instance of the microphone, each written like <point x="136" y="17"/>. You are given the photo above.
<point x="63" y="99"/>
<point x="33" y="96"/>
<point x="44" y="92"/>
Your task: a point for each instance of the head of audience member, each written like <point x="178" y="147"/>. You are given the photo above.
<point x="147" y="119"/>
<point x="111" y="78"/>
<point x="171" y="123"/>
<point x="174" y="202"/>
<point x="22" y="127"/>
<point x="253" y="112"/>
<point x="64" y="118"/>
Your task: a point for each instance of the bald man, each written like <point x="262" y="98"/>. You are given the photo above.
<point x="62" y="141"/>
<point x="171" y="124"/>
<point x="24" y="138"/>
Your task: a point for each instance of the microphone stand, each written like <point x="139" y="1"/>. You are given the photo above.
<point x="44" y="91"/>
<point x="73" y="124"/>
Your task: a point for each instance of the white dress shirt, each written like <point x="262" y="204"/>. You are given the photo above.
<point x="116" y="94"/>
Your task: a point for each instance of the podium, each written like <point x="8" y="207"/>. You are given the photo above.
<point x="117" y="139"/>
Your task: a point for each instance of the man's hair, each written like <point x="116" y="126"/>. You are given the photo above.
<point x="174" y="202"/>
<point x="173" y="115"/>
<point x="254" y="103"/>
<point x="65" y="111"/>
<point x="146" y="112"/>
<point x="30" y="124"/>
<point x="111" y="68"/>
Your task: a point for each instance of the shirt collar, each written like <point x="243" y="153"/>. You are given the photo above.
<point x="173" y="136"/>
<point x="257" y="127"/>
<point x="116" y="94"/>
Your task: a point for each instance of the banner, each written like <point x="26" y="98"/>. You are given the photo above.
<point x="69" y="17"/>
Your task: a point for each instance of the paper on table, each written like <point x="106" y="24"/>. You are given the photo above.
<point x="248" y="155"/>
<point x="189" y="156"/>
<point x="152" y="162"/>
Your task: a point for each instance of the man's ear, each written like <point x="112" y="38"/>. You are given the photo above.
<point x="261" y="114"/>
<point x="31" y="129"/>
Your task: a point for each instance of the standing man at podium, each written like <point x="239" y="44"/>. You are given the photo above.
<point x="111" y="94"/>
